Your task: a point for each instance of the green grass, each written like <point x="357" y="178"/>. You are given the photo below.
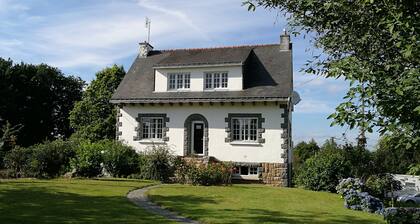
<point x="257" y="204"/>
<point x="71" y="201"/>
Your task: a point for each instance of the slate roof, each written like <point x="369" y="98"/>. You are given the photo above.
<point x="267" y="73"/>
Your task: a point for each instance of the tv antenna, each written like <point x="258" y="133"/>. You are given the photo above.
<point x="147" y="23"/>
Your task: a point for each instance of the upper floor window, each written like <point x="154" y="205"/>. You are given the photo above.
<point x="215" y="80"/>
<point x="178" y="81"/>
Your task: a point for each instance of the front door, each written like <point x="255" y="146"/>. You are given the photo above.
<point x="197" y="137"/>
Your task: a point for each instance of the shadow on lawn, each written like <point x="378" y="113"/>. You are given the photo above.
<point x="41" y="205"/>
<point x="189" y="206"/>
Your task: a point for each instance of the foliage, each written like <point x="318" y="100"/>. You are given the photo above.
<point x="348" y="184"/>
<point x="361" y="159"/>
<point x="373" y="44"/>
<point x="38" y="98"/>
<point x="8" y="139"/>
<point x="88" y="159"/>
<point x="93" y="117"/>
<point x="17" y="161"/>
<point x="323" y="171"/>
<point x="402" y="215"/>
<point x="46" y="160"/>
<point x="303" y="151"/>
<point x="380" y="184"/>
<point x="390" y="158"/>
<point x="119" y="160"/>
<point x="51" y="159"/>
<point x="157" y="163"/>
<point x="203" y="174"/>
<point x="414" y="169"/>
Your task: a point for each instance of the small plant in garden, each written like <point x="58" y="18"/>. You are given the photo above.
<point x="156" y="163"/>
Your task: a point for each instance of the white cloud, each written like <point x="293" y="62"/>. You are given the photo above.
<point x="313" y="106"/>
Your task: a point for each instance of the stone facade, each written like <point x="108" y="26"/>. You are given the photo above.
<point x="275" y="174"/>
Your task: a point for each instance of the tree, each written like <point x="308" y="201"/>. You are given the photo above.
<point x="303" y="151"/>
<point x="373" y="44"/>
<point x="38" y="99"/>
<point x="390" y="158"/>
<point x="94" y="117"/>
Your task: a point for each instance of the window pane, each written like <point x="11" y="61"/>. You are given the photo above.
<point x="253" y="130"/>
<point x="235" y="127"/>
<point x="224" y="80"/>
<point x="253" y="170"/>
<point x="208" y="81"/>
<point x="179" y="81"/>
<point x="216" y="80"/>
<point x="172" y="81"/>
<point x="145" y="127"/>
<point x="244" y="170"/>
<point x="187" y="81"/>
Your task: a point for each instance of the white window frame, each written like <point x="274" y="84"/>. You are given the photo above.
<point x="212" y="78"/>
<point x="179" y="81"/>
<point x="245" y="134"/>
<point x="150" y="134"/>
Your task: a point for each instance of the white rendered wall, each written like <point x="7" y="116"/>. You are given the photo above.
<point x="197" y="74"/>
<point x="270" y="151"/>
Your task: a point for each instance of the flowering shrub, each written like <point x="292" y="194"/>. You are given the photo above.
<point x="402" y="215"/>
<point x="351" y="189"/>
<point x="349" y="184"/>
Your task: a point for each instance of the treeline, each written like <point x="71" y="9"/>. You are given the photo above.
<point x="39" y="103"/>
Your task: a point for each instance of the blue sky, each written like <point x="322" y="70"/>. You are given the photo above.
<point x="83" y="36"/>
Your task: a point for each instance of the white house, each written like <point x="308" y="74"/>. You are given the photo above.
<point x="229" y="103"/>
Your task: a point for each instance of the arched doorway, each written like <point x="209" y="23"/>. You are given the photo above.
<point x="196" y="135"/>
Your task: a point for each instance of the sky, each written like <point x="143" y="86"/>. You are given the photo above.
<point x="81" y="37"/>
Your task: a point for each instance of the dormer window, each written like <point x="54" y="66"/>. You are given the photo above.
<point x="215" y="80"/>
<point x="179" y="81"/>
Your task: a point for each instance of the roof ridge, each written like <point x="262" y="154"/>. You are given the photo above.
<point x="219" y="47"/>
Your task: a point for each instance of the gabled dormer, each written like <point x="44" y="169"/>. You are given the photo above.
<point x="201" y="70"/>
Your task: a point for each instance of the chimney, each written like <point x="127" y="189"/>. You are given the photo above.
<point x="145" y="48"/>
<point x="285" y="44"/>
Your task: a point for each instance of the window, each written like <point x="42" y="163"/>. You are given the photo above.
<point x="215" y="80"/>
<point x="152" y="127"/>
<point x="253" y="170"/>
<point x="224" y="80"/>
<point x="245" y="170"/>
<point x="179" y="81"/>
<point x="244" y="129"/>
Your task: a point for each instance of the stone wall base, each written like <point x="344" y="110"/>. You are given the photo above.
<point x="274" y="174"/>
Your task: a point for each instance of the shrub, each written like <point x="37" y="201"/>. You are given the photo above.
<point x="203" y="174"/>
<point x="323" y="171"/>
<point x="156" y="163"/>
<point x="51" y="159"/>
<point x="379" y="185"/>
<point x="348" y="184"/>
<point x="119" y="160"/>
<point x="402" y="215"/>
<point x="88" y="159"/>
<point x="17" y="161"/>
<point x="357" y="200"/>
<point x="46" y="160"/>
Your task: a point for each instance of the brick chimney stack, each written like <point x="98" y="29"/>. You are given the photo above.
<point x="285" y="44"/>
<point x="145" y="48"/>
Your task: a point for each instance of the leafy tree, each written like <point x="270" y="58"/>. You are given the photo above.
<point x="303" y="151"/>
<point x="93" y="117"/>
<point x="390" y="158"/>
<point x="8" y="139"/>
<point x="374" y="44"/>
<point x="38" y="99"/>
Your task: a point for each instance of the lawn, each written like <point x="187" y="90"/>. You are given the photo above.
<point x="71" y="201"/>
<point x="257" y="204"/>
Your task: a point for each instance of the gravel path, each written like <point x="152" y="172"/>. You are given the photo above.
<point x="139" y="198"/>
